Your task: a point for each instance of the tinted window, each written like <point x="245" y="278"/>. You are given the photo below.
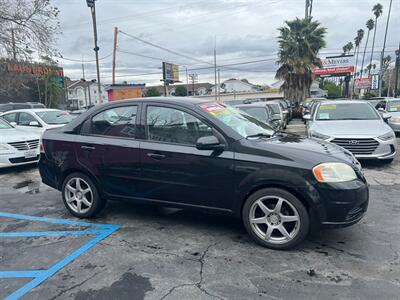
<point x="6" y="108"/>
<point x="21" y="106"/>
<point x="275" y="108"/>
<point x="174" y="126"/>
<point x="25" y="119"/>
<point x="38" y="106"/>
<point x="55" y="117"/>
<point x="394" y="106"/>
<point x="12" y="117"/>
<point x="346" y="111"/>
<point x="4" y="124"/>
<point x="119" y="122"/>
<point x="257" y="112"/>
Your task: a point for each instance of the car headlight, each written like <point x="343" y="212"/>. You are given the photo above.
<point x="387" y="136"/>
<point x="334" y="172"/>
<point x="318" y="135"/>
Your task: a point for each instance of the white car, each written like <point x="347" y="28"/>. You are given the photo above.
<point x="17" y="146"/>
<point x="37" y="120"/>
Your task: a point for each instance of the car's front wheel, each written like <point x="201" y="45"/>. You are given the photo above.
<point x="275" y="218"/>
<point x="81" y="197"/>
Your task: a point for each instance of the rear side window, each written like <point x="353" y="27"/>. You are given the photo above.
<point x="12" y="117"/>
<point x="118" y="122"/>
<point x="257" y="112"/>
<point x="174" y="126"/>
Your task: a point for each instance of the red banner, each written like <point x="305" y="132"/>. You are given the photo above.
<point x="362" y="83"/>
<point x="334" y="70"/>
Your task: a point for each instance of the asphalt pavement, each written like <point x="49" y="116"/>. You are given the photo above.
<point x="148" y="252"/>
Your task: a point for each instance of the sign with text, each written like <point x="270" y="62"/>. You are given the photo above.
<point x="36" y="69"/>
<point x="170" y="72"/>
<point x="336" y="66"/>
<point x="374" y="81"/>
<point x="362" y="83"/>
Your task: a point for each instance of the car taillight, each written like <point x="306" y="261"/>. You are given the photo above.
<point x="41" y="147"/>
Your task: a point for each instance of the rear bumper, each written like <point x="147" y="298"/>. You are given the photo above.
<point x="49" y="173"/>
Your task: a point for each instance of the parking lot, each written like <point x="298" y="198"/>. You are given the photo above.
<point x="137" y="252"/>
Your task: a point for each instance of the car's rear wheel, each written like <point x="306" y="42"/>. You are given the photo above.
<point x="81" y="197"/>
<point x="275" y="218"/>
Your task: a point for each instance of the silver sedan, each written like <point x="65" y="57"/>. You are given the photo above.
<point x="356" y="126"/>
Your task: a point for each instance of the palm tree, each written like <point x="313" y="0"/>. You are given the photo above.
<point x="377" y="9"/>
<point x="299" y="42"/>
<point x="370" y="25"/>
<point x="357" y="43"/>
<point x="347" y="48"/>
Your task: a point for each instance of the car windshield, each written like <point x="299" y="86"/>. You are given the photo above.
<point x="274" y="108"/>
<point x="394" y="106"/>
<point x="257" y="112"/>
<point x="346" y="111"/>
<point x="55" y="117"/>
<point x="4" y="124"/>
<point x="239" y="121"/>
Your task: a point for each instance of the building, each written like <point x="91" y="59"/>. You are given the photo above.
<point x="124" y="91"/>
<point x="236" y="86"/>
<point x="315" y="90"/>
<point x="199" y="89"/>
<point x="83" y="94"/>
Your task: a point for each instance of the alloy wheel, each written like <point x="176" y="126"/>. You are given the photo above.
<point x="78" y="195"/>
<point x="274" y="219"/>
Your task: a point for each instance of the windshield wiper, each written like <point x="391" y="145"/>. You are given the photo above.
<point x="258" y="135"/>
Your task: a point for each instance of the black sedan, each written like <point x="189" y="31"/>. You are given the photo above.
<point x="188" y="153"/>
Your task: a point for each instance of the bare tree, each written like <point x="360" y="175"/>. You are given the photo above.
<point x="27" y="24"/>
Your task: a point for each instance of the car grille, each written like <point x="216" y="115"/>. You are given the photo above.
<point x="357" y="146"/>
<point x="19" y="160"/>
<point x="25" y="145"/>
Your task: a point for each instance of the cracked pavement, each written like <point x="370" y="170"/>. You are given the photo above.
<point x="162" y="253"/>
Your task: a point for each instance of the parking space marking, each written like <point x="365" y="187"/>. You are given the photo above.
<point x="100" y="230"/>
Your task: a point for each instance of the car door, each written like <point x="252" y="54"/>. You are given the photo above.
<point x="173" y="169"/>
<point x="109" y="148"/>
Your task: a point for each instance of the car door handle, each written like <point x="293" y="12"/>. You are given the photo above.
<point x="87" y="147"/>
<point x="156" y="155"/>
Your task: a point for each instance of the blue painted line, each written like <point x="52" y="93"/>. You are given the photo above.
<point x="54" y="221"/>
<point x="21" y="274"/>
<point x="102" y="231"/>
<point x="50" y="233"/>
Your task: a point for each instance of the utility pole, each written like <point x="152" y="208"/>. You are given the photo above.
<point x="397" y="68"/>
<point x="383" y="50"/>
<point x="187" y="82"/>
<point x="215" y="67"/>
<point x="219" y="84"/>
<point x="193" y="79"/>
<point x="14" y="51"/>
<point x="114" y="53"/>
<point x="92" y="5"/>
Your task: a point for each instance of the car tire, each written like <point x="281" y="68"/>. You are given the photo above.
<point x="261" y="218"/>
<point x="81" y="196"/>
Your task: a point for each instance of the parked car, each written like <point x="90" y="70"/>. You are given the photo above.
<point x="262" y="112"/>
<point x="37" y="120"/>
<point x="13" y="106"/>
<point x="17" y="147"/>
<point x="391" y="106"/>
<point x="277" y="109"/>
<point x="287" y="109"/>
<point x="290" y="107"/>
<point x="76" y="113"/>
<point x="191" y="153"/>
<point x="355" y="126"/>
<point x="308" y="105"/>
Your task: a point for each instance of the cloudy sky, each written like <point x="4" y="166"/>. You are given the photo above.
<point x="245" y="33"/>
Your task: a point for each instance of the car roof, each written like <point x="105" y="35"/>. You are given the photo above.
<point x="171" y="100"/>
<point x="343" y="101"/>
<point x="31" y="110"/>
<point x="254" y="104"/>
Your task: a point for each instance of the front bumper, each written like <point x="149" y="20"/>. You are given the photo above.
<point x="16" y="158"/>
<point x="344" y="204"/>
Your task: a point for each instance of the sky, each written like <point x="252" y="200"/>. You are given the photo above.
<point x="244" y="32"/>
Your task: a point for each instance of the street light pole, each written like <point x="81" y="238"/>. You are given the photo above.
<point x="383" y="50"/>
<point x="92" y="5"/>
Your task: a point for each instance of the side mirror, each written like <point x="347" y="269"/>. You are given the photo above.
<point x="34" y="124"/>
<point x="381" y="109"/>
<point x="285" y="111"/>
<point x="209" y="143"/>
<point x="307" y="117"/>
<point x="13" y="123"/>
<point x="386" y="116"/>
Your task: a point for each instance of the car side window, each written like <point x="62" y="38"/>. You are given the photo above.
<point x="117" y="122"/>
<point x="174" y="126"/>
<point x="12" y="117"/>
<point x="25" y="118"/>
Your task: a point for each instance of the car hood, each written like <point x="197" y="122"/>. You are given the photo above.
<point x="351" y="128"/>
<point x="16" y="135"/>
<point x="301" y="150"/>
